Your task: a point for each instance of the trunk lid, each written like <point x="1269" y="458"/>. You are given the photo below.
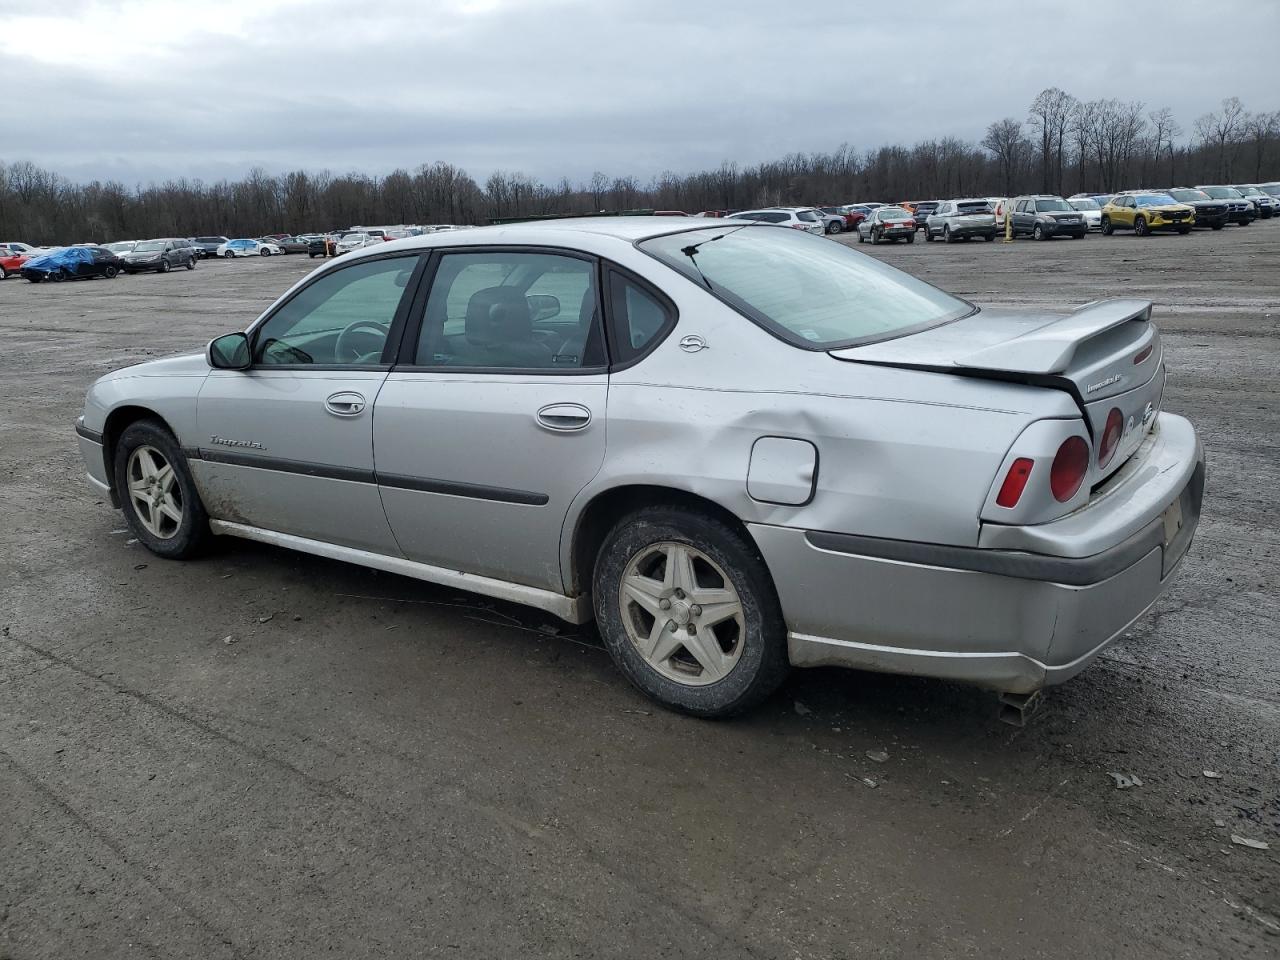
<point x="1106" y="354"/>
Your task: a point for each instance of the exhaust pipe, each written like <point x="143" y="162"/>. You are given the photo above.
<point x="1017" y="709"/>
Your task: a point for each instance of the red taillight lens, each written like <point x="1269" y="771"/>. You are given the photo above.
<point x="1015" y="481"/>
<point x="1070" y="465"/>
<point x="1143" y="354"/>
<point x="1110" y="437"/>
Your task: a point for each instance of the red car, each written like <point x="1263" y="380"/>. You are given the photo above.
<point x="11" y="263"/>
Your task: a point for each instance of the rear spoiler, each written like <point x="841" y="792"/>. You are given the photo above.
<point x="1051" y="348"/>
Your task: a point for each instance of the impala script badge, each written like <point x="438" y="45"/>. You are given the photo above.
<point x="252" y="444"/>
<point x="1102" y="383"/>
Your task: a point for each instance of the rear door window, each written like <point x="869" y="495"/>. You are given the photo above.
<point x="638" y="318"/>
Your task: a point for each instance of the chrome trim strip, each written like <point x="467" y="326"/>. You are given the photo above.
<point x="572" y="609"/>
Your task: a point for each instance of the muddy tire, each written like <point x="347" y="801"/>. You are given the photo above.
<point x="157" y="492"/>
<point x="670" y="565"/>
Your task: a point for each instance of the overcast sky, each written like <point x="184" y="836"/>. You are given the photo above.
<point x="141" y="90"/>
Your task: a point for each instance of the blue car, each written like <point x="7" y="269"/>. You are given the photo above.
<point x="72" y="263"/>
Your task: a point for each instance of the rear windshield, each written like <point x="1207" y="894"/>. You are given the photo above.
<point x="975" y="206"/>
<point x="926" y="205"/>
<point x="807" y="215"/>
<point x="893" y="213"/>
<point x="806" y="289"/>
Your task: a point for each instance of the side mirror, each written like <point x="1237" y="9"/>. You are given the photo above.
<point x="543" y="307"/>
<point x="230" y="352"/>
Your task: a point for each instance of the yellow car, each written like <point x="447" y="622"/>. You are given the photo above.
<point x="1144" y="212"/>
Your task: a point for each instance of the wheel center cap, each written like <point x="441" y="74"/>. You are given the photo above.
<point x="680" y="612"/>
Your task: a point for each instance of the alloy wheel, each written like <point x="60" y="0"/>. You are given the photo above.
<point x="154" y="492"/>
<point x="682" y="613"/>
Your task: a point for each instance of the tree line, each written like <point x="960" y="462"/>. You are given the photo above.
<point x="1063" y="145"/>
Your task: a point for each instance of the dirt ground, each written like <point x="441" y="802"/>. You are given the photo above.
<point x="375" y="767"/>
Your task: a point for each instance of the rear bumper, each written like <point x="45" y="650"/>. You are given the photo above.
<point x="1013" y="618"/>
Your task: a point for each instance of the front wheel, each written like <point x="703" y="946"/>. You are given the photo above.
<point x="165" y="267"/>
<point x="928" y="236"/>
<point x="946" y="234"/>
<point x="688" y="612"/>
<point x="834" y="227"/>
<point x="157" y="494"/>
<point x="228" y="255"/>
<point x="1216" y="226"/>
<point x="1184" y="230"/>
<point x="110" y="273"/>
<point x="191" y="263"/>
<point x="264" y="252"/>
<point x="861" y="238"/>
<point x="1107" y="228"/>
<point x="1037" y="233"/>
<point x="1140" y="227"/>
<point x="58" y="276"/>
<point x="4" y="274"/>
<point x="989" y="237"/>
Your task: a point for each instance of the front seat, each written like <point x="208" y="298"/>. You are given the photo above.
<point x="498" y="331"/>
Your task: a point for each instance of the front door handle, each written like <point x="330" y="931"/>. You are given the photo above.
<point x="564" y="417"/>
<point x="345" y="404"/>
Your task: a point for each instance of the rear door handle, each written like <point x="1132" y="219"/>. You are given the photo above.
<point x="345" y="404"/>
<point x="564" y="417"/>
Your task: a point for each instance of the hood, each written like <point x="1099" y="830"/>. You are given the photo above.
<point x="183" y="365"/>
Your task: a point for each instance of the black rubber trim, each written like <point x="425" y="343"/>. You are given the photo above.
<point x="325" y="470"/>
<point x="88" y="434"/>
<point x="474" y="491"/>
<point x="1073" y="571"/>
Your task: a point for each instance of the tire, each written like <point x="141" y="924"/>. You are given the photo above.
<point x="110" y="273"/>
<point x="861" y="238"/>
<point x="311" y="256"/>
<point x="1037" y="233"/>
<point x="752" y="645"/>
<point x="228" y="255"/>
<point x="33" y="279"/>
<point x="264" y="252"/>
<point x="58" y="276"/>
<point x="4" y="274"/>
<point x="165" y="266"/>
<point x="928" y="236"/>
<point x="875" y="237"/>
<point x="946" y="234"/>
<point x="911" y="238"/>
<point x="989" y="237"/>
<point x="833" y="227"/>
<point x="1107" y="228"/>
<point x="175" y="540"/>
<point x="1216" y="226"/>
<point x="191" y="263"/>
<point x="1140" y="227"/>
<point x="1184" y="230"/>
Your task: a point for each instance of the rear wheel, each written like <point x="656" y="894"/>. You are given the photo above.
<point x="688" y="612"/>
<point x="1215" y="226"/>
<point x="264" y="252"/>
<point x="1140" y="227"/>
<point x="229" y="255"/>
<point x="157" y="493"/>
<point x="834" y="227"/>
<point x="989" y="237"/>
<point x="875" y="236"/>
<point x="911" y="238"/>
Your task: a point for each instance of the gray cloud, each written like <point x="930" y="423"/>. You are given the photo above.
<point x="565" y="87"/>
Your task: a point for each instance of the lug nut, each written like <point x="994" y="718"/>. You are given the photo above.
<point x="679" y="594"/>
<point x="671" y="625"/>
<point x="696" y="610"/>
<point x="692" y="628"/>
<point x="664" y="604"/>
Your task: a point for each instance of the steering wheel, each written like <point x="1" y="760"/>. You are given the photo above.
<point x="347" y="348"/>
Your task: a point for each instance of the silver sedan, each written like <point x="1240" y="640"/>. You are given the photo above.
<point x="737" y="448"/>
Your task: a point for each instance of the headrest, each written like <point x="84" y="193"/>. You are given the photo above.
<point x="498" y="315"/>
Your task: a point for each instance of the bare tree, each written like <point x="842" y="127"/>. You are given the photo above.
<point x="1164" y="130"/>
<point x="1261" y="131"/>
<point x="1050" y="116"/>
<point x="1005" y="141"/>
<point x="1221" y="133"/>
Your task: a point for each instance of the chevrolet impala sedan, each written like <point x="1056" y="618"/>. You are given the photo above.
<point x="738" y="448"/>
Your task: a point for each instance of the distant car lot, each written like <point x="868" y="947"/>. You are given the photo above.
<point x="189" y="739"/>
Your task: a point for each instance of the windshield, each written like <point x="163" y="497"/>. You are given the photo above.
<point x="120" y="246"/>
<point x="1153" y="200"/>
<point x="1249" y="191"/>
<point x="974" y="206"/>
<point x="892" y="213"/>
<point x="146" y="246"/>
<point x="1046" y="206"/>
<point x="1085" y="204"/>
<point x="1189" y="195"/>
<point x="804" y="288"/>
<point x="1223" y="193"/>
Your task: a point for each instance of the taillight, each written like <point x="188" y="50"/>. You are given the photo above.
<point x="1015" y="481"/>
<point x="1143" y="353"/>
<point x="1110" y="437"/>
<point x="1070" y="465"/>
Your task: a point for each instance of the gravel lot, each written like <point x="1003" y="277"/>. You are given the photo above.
<point x="377" y="767"/>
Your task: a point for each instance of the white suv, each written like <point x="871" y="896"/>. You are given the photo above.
<point x="798" y="218"/>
